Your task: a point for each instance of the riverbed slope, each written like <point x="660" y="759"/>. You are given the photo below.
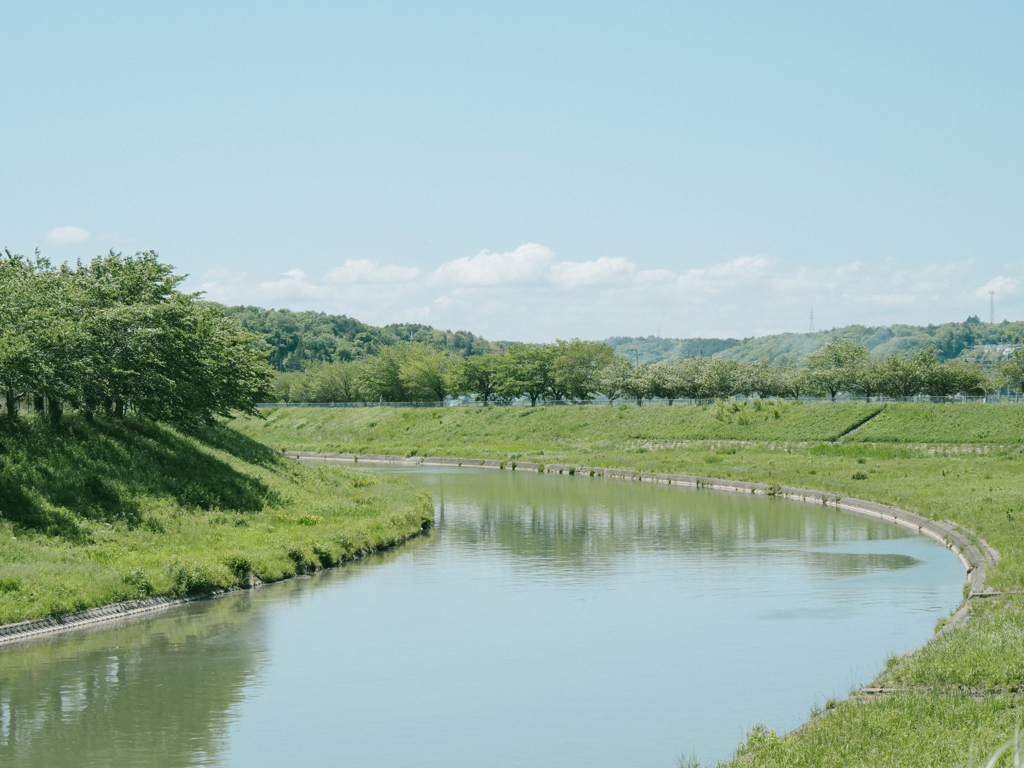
<point x="93" y="513"/>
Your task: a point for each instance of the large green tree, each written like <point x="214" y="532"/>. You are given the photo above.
<point x="836" y="367"/>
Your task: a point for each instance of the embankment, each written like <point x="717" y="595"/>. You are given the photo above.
<point x="93" y="514"/>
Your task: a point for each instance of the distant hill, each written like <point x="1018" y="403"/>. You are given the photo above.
<point x="950" y="340"/>
<point x="654" y="348"/>
<point x="297" y="337"/>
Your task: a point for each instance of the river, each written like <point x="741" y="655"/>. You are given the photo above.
<point x="545" y="621"/>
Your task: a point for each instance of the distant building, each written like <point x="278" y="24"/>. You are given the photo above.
<point x="1004" y="349"/>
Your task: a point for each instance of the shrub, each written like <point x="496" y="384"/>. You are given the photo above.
<point x="189" y="577"/>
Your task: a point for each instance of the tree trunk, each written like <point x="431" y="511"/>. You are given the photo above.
<point x="55" y="409"/>
<point x="118" y="409"/>
<point x="639" y="401"/>
<point x="12" y="404"/>
<point x="38" y="403"/>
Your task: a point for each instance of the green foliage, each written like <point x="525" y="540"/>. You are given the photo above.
<point x="759" y="737"/>
<point x="950" y="340"/>
<point x="116" y="334"/>
<point x="296" y="339"/>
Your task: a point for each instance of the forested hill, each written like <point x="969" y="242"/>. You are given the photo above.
<point x="950" y="340"/>
<point x="297" y="337"/>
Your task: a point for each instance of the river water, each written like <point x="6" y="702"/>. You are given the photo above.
<point x="546" y="621"/>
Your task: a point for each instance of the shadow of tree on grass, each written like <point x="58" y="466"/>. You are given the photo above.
<point x="102" y="470"/>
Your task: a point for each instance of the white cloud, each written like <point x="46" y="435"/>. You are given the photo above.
<point x="998" y="285"/>
<point x="725" y="276"/>
<point x="416" y="315"/>
<point x="367" y="271"/>
<point x="67" y="235"/>
<point x="294" y="284"/>
<point x="572" y="274"/>
<point x="655" y="277"/>
<point x="528" y="294"/>
<point x="528" y="262"/>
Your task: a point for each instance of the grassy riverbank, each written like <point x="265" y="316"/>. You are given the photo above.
<point x="109" y="511"/>
<point x="959" y="462"/>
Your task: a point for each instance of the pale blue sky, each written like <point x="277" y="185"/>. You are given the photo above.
<point x="726" y="166"/>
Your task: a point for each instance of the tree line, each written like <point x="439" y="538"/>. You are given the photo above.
<point x="115" y="335"/>
<point x="578" y="371"/>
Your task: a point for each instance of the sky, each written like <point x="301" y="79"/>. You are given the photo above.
<point x="532" y="171"/>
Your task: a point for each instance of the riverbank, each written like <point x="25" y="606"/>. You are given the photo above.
<point x="955" y="695"/>
<point x="110" y="512"/>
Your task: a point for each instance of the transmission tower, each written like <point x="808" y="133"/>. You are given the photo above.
<point x="812" y="321"/>
<point x="992" y="307"/>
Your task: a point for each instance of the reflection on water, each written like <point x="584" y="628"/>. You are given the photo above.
<point x="547" y="621"/>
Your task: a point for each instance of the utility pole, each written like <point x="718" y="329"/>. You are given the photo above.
<point x="991" y="307"/>
<point x="812" y="321"/>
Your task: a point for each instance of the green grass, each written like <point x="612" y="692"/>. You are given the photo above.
<point x="435" y="430"/>
<point x="900" y="731"/>
<point x="982" y="488"/>
<point x="984" y="423"/>
<point x="97" y="513"/>
<point x="987" y="653"/>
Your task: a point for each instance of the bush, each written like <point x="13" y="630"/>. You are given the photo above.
<point x="189" y="577"/>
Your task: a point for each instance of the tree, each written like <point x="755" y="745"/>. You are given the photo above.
<point x="480" y="376"/>
<point x="719" y="378"/>
<point x="967" y="378"/>
<point x="900" y="376"/>
<point x="870" y="378"/>
<point x="576" y="366"/>
<point x="429" y="371"/>
<point x="835" y="367"/>
<point x="526" y="370"/>
<point x="19" y="318"/>
<point x="641" y="383"/>
<point x="382" y="376"/>
<point x="669" y="380"/>
<point x="321" y="383"/>
<point x="1010" y="372"/>
<point x="614" y="378"/>
<point x="761" y="378"/>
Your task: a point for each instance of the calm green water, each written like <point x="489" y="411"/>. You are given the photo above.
<point x="547" y="621"/>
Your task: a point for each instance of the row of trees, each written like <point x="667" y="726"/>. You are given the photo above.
<point x="566" y="370"/>
<point x="840" y="366"/>
<point x="578" y="370"/>
<point x="117" y="334"/>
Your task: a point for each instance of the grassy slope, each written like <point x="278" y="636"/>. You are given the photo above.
<point x="93" y="514"/>
<point x="518" y="430"/>
<point x="990" y="424"/>
<point x="984" y="491"/>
